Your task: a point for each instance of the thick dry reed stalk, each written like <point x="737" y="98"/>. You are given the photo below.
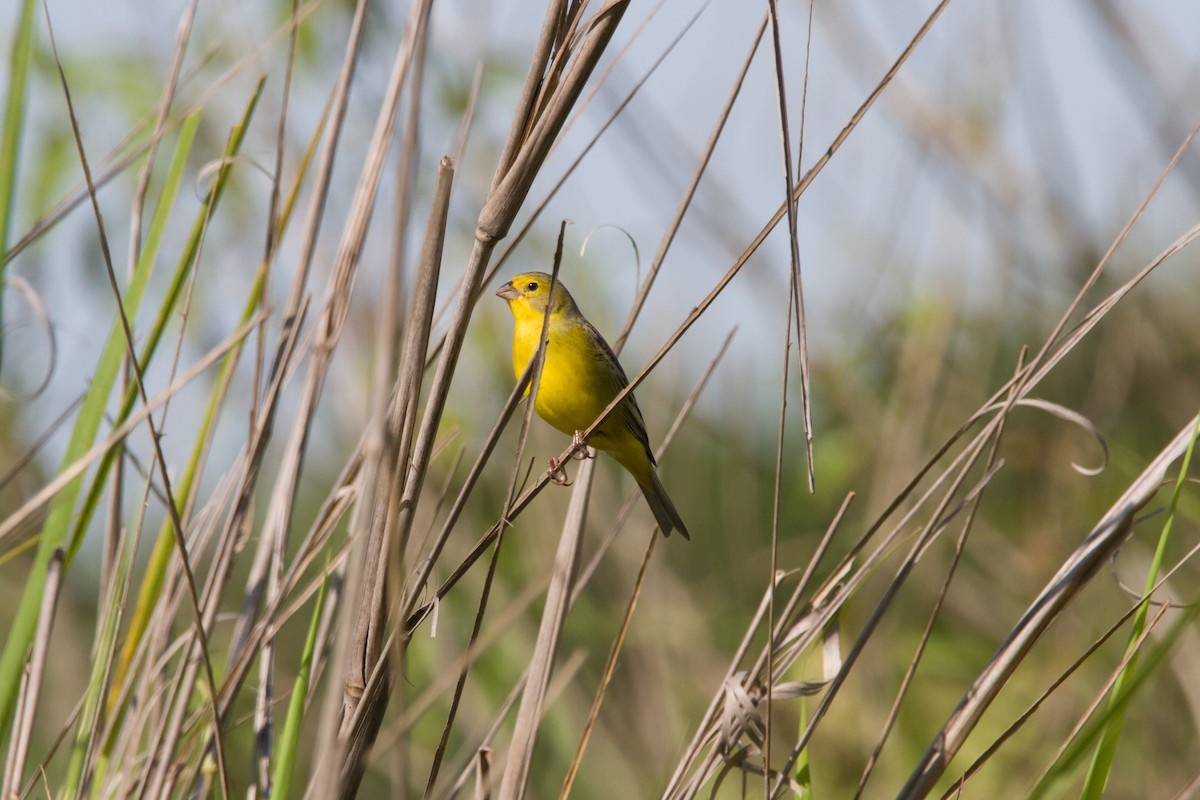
<point x="549" y="93"/>
<point x="541" y="663"/>
<point x="386" y="458"/>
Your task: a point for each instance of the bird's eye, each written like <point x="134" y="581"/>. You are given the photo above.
<point x="531" y="286"/>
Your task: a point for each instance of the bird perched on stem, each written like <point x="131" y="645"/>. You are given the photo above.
<point x="580" y="377"/>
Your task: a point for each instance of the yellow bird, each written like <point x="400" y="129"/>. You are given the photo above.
<point x="580" y="377"/>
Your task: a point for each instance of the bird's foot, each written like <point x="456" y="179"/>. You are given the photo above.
<point x="584" y="452"/>
<point x="556" y="473"/>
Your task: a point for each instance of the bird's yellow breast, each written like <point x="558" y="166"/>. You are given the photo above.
<point x="573" y="391"/>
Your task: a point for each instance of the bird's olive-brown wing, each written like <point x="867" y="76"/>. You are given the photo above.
<point x="629" y="413"/>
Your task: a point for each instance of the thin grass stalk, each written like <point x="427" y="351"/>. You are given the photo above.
<point x="506" y="619"/>
<point x="142" y="272"/>
<point x="416" y="586"/>
<point x="28" y="456"/>
<point x="744" y="646"/>
<point x="467" y="660"/>
<point x="273" y="548"/>
<point x="939" y="520"/>
<point x="173" y="508"/>
<point x="689" y="193"/>
<point x="185" y="267"/>
<point x="227" y="540"/>
<point x="150" y="250"/>
<point x="796" y="284"/>
<point x="934" y="613"/>
<point x="565" y="678"/>
<point x="1048" y="356"/>
<point x="328" y="327"/>
<point x="261" y="416"/>
<point x="154" y="656"/>
<point x="391" y="319"/>
<point x="325" y="774"/>
<point x="157" y="567"/>
<point x="531" y="87"/>
<point x="190" y="374"/>
<point x="610" y="666"/>
<point x="551" y="193"/>
<point x="31" y="686"/>
<point x="603" y="78"/>
<point x="341" y="283"/>
<point x="676" y="787"/>
<point x="524" y="154"/>
<point x="264" y="696"/>
<point x="134" y="255"/>
<point x="277" y="221"/>
<point x="388" y="341"/>
<point x="391" y="525"/>
<point x="1107" y="535"/>
<point x="183" y="36"/>
<point x="776" y="489"/>
<point x="42" y="767"/>
<point x="275" y="615"/>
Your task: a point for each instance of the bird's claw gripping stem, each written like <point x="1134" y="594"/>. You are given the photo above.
<point x="556" y="473"/>
<point x="555" y="470"/>
<point x="584" y="452"/>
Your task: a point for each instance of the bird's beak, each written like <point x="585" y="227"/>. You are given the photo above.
<point x="508" y="292"/>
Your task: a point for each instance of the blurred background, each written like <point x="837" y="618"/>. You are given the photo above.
<point x="951" y="230"/>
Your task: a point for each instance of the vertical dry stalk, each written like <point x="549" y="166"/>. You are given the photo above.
<point x="34" y="670"/>
<point x="375" y="517"/>
<point x="541" y="663"/>
<point x="549" y="93"/>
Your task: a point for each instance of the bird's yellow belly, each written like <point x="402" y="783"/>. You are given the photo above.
<point x="569" y="395"/>
<point x="565" y="397"/>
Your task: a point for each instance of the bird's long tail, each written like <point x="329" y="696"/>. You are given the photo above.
<point x="664" y="510"/>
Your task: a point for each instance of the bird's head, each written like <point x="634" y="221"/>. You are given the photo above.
<point x="529" y="293"/>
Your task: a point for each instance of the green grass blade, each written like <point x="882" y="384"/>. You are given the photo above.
<point x="102" y="652"/>
<point x="14" y="115"/>
<point x="14" y="123"/>
<point x="289" y="738"/>
<point x="1106" y="750"/>
<point x="1076" y="751"/>
<point x="803" y="767"/>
